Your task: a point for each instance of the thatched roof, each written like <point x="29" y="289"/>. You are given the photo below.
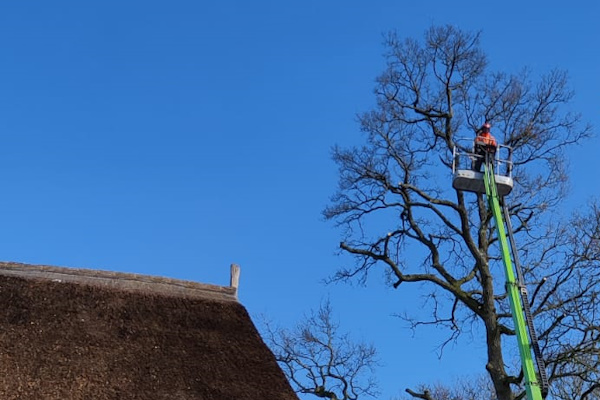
<point x="80" y="334"/>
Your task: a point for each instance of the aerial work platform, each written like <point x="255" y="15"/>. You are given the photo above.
<point x="472" y="181"/>
<point x="495" y="182"/>
<point x="464" y="177"/>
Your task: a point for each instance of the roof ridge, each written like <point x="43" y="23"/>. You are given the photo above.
<point x="120" y="280"/>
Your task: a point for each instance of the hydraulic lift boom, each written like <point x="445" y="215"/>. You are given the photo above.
<point x="536" y="385"/>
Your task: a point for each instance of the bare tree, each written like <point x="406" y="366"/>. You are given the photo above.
<point x="400" y="213"/>
<point x="480" y="388"/>
<point x="318" y="359"/>
<point x="473" y="388"/>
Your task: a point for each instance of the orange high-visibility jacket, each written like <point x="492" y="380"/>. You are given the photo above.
<point x="485" y="139"/>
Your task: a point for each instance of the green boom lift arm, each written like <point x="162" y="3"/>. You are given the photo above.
<point x="536" y="385"/>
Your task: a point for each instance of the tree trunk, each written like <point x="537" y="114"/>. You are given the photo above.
<point x="495" y="364"/>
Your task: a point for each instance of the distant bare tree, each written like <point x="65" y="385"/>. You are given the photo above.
<point x="472" y="388"/>
<point x="573" y="388"/>
<point x="480" y="388"/>
<point x="320" y="360"/>
<point x="400" y="214"/>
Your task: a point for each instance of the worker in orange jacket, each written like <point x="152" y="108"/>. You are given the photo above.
<point x="484" y="144"/>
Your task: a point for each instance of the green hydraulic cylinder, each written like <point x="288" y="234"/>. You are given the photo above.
<point x="532" y="384"/>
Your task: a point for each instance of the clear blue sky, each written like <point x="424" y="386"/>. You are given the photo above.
<point x="174" y="138"/>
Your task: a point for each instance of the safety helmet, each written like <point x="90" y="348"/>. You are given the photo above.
<point x="486" y="127"/>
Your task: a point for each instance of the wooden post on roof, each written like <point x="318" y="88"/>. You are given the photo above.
<point x="235" y="277"/>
